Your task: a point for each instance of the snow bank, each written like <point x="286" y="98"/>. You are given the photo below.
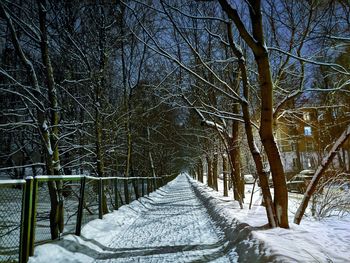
<point x="242" y="241"/>
<point x="312" y="241"/>
<point x="95" y="236"/>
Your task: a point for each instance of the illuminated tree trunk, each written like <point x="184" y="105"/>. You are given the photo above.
<point x="238" y="189"/>
<point x="262" y="174"/>
<point x="327" y="160"/>
<point x="256" y="43"/>
<point x="268" y="140"/>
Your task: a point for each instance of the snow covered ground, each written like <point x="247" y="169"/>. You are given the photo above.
<point x="185" y="221"/>
<point x="327" y="240"/>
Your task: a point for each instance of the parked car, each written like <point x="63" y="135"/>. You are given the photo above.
<point x="270" y="181"/>
<point x="300" y="181"/>
<point x="249" y="179"/>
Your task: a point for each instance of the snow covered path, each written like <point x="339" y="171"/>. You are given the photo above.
<point x="171" y="225"/>
<point x="176" y="224"/>
<point x="175" y="227"/>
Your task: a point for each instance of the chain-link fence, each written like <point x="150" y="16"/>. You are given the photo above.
<point x="26" y="210"/>
<point x="11" y="195"/>
<point x="69" y="195"/>
<point x="90" y="209"/>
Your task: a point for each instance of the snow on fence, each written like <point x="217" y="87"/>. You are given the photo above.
<point x="25" y="207"/>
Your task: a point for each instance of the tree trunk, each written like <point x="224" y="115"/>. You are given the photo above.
<point x="200" y="170"/>
<point x="268" y="140"/>
<point x="127" y="110"/>
<point x="150" y="153"/>
<point x="98" y="107"/>
<point x="225" y="172"/>
<point x="327" y="160"/>
<point x="262" y="175"/>
<point x="210" y="172"/>
<point x="53" y="162"/>
<point x="348" y="153"/>
<point x="215" y="172"/>
<point x="266" y="119"/>
<point x="238" y="185"/>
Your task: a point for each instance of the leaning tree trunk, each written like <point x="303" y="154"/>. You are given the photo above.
<point x="318" y="174"/>
<point x="268" y="140"/>
<point x="262" y="174"/>
<point x="256" y="43"/>
<point x="266" y="119"/>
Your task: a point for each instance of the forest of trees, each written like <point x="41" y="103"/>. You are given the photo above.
<point x="145" y="88"/>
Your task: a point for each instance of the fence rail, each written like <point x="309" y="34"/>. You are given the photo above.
<point x="25" y="207"/>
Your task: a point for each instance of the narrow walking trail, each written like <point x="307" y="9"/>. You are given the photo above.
<point x="175" y="227"/>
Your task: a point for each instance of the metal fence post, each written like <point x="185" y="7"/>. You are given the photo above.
<point x="126" y="191"/>
<point x="148" y="186"/>
<point x="100" y="193"/>
<point x="136" y="187"/>
<point x="143" y="187"/>
<point x="33" y="215"/>
<point x="80" y="206"/>
<point x="26" y="220"/>
<point x="154" y="183"/>
<point x="116" y="199"/>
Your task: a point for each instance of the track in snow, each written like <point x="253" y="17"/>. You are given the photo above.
<point x="175" y="227"/>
